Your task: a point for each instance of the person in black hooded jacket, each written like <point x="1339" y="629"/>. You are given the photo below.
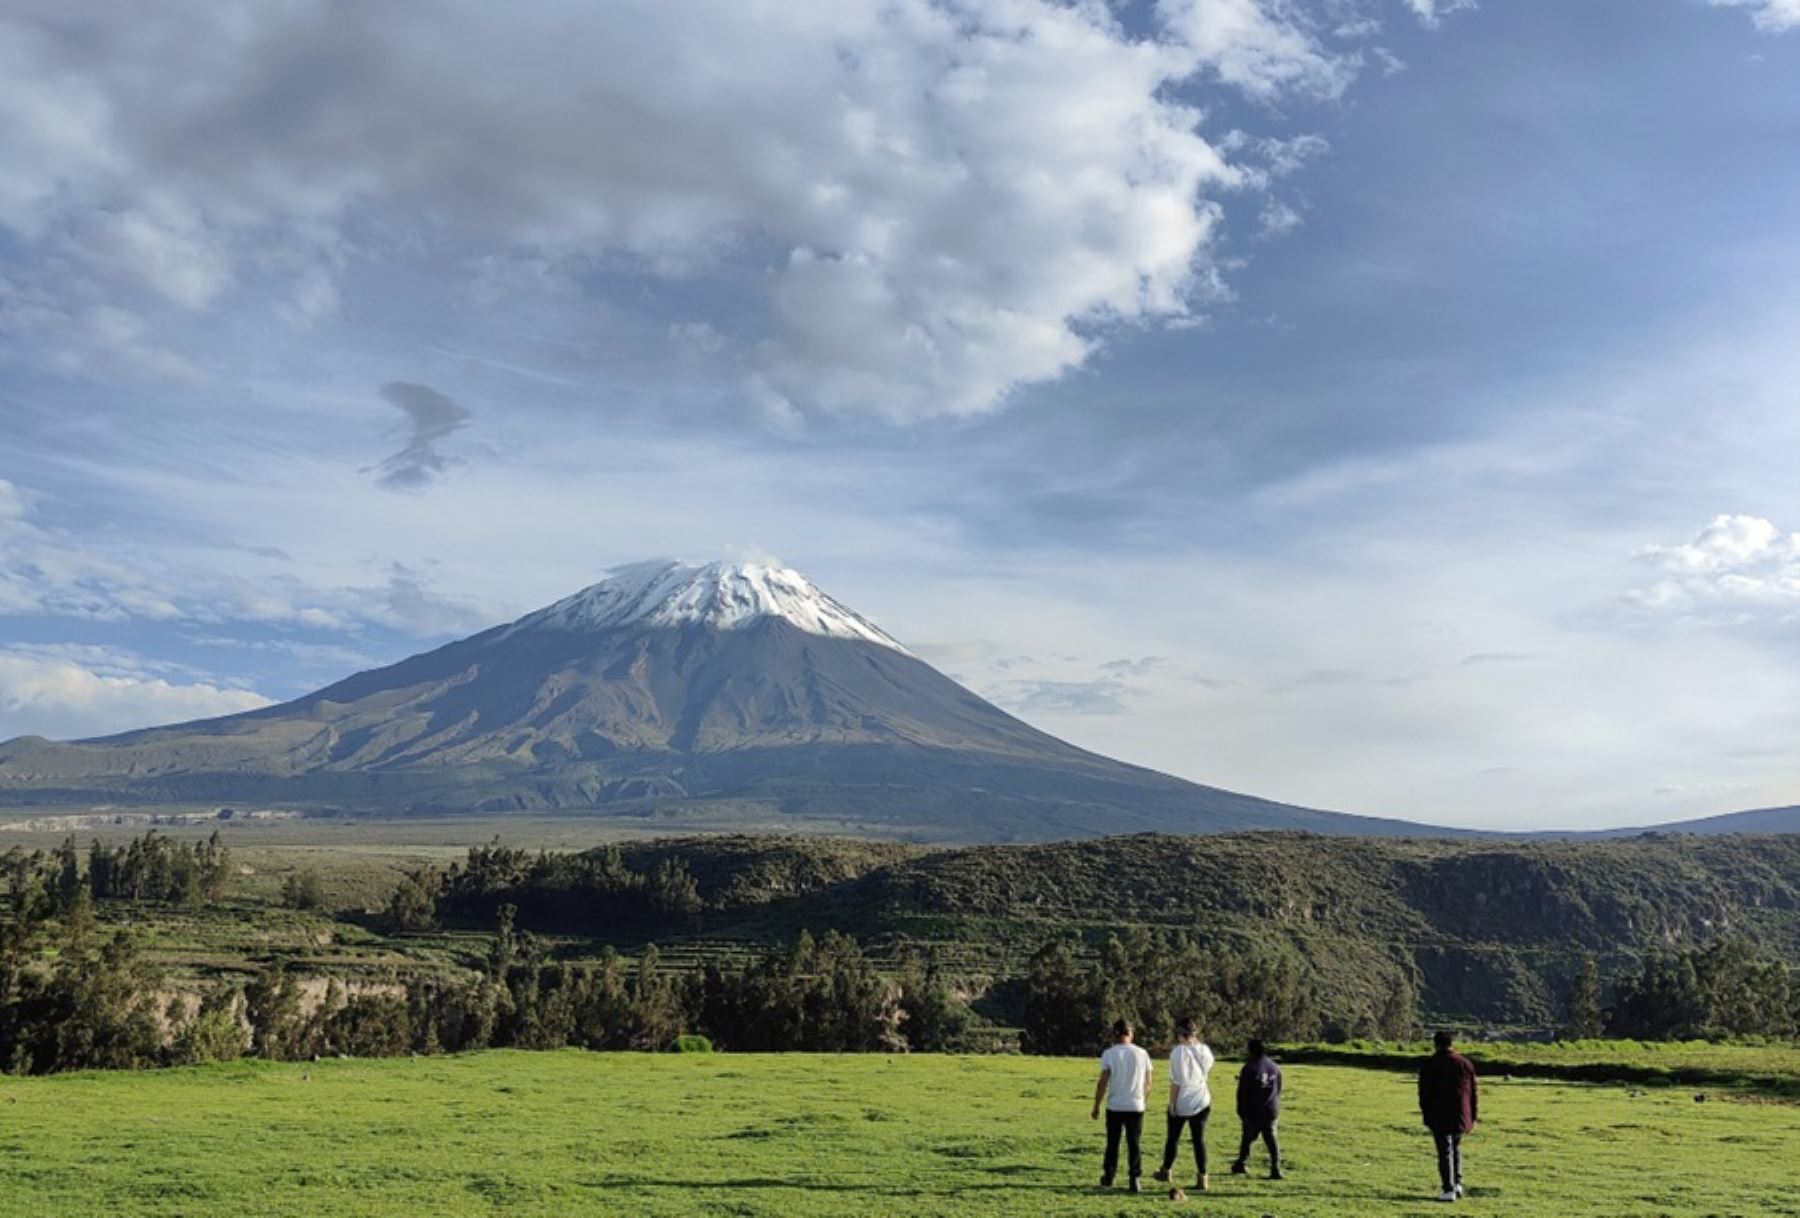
<point x="1258" y="1107"/>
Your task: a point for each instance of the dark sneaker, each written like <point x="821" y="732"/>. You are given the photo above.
<point x="1160" y="1175"/>
<point x="1134" y="1187"/>
<point x="1240" y="1168"/>
<point x="1275" y="1174"/>
<point x="1203" y="1184"/>
<point x="1105" y="1181"/>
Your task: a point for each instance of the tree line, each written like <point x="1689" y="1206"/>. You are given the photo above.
<point x="1232" y="993"/>
<point x="151" y="868"/>
<point x="1718" y="992"/>
<point x="72" y="997"/>
<point x="595" y="890"/>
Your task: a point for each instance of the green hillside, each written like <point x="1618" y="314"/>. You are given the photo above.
<point x="1293" y="936"/>
<point x="1488" y="932"/>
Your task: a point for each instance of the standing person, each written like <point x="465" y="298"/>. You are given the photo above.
<point x="1125" y="1086"/>
<point x="1448" y="1102"/>
<point x="1190" y="1103"/>
<point x="1259" y="1107"/>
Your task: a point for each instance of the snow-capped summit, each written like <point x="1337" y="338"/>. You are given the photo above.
<point x="725" y="596"/>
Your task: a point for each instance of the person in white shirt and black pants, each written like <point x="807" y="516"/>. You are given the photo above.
<point x="1190" y="1103"/>
<point x="1125" y="1086"/>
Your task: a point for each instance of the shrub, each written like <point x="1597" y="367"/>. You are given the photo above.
<point x="369" y="1025"/>
<point x="212" y="1036"/>
<point x="413" y="905"/>
<point x="693" y="1044"/>
<point x="303" y="890"/>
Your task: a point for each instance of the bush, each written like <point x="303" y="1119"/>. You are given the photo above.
<point x="413" y="905"/>
<point x="933" y="1019"/>
<point x="214" y="1035"/>
<point x="369" y="1025"/>
<point x="693" y="1044"/>
<point x="303" y="890"/>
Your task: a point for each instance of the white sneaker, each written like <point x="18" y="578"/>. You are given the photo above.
<point x="1448" y="1194"/>
<point x="1459" y="1192"/>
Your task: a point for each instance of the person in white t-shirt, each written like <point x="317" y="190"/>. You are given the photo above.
<point x="1125" y="1086"/>
<point x="1190" y="1103"/>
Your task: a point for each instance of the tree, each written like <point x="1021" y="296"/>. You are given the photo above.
<point x="932" y="1018"/>
<point x="99" y="873"/>
<point x="1586" y="1020"/>
<point x="1062" y="1007"/>
<point x="413" y="905"/>
<point x="505" y="945"/>
<point x="93" y="1011"/>
<point x="656" y="1017"/>
<point x="272" y="1006"/>
<point x="68" y="874"/>
<point x="673" y="890"/>
<point x="1721" y="991"/>
<point x="78" y="918"/>
<point x="215" y="867"/>
<point x="186" y="883"/>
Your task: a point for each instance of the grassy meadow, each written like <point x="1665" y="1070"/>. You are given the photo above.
<point x="792" y="1135"/>
<point x="1772" y="1069"/>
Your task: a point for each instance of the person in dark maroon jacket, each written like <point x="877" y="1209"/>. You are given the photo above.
<point x="1449" y="1104"/>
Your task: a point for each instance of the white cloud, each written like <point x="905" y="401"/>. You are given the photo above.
<point x="1774" y="16"/>
<point x="68" y="693"/>
<point x="1278" y="219"/>
<point x="1101" y="697"/>
<point x="47" y="570"/>
<point x="943" y="200"/>
<point x="171" y="253"/>
<point x="697" y="338"/>
<point x="1431" y="12"/>
<point x="119" y="341"/>
<point x="1289" y="156"/>
<point x="1264" y="48"/>
<point x="1736" y="564"/>
<point x="12" y="504"/>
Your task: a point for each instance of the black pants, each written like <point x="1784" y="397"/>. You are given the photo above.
<point x="1263" y="1128"/>
<point x="1449" y="1148"/>
<point x="1131" y="1124"/>
<point x="1197" y="1123"/>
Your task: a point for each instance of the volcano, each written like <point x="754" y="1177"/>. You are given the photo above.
<point x="718" y="695"/>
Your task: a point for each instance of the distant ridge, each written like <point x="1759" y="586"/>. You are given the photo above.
<point x="715" y="695"/>
<point x="1756" y="820"/>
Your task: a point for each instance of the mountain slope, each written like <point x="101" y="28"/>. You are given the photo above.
<point x="729" y="691"/>
<point x="1756" y="820"/>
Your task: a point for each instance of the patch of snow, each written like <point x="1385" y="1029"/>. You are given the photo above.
<point x="726" y="596"/>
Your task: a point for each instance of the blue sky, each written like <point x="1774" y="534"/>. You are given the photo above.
<point x="1374" y="404"/>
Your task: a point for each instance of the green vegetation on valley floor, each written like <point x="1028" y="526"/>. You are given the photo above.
<point x="553" y="1134"/>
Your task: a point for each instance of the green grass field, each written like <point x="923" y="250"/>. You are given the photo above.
<point x="1772" y="1069"/>
<point x="575" y="1133"/>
